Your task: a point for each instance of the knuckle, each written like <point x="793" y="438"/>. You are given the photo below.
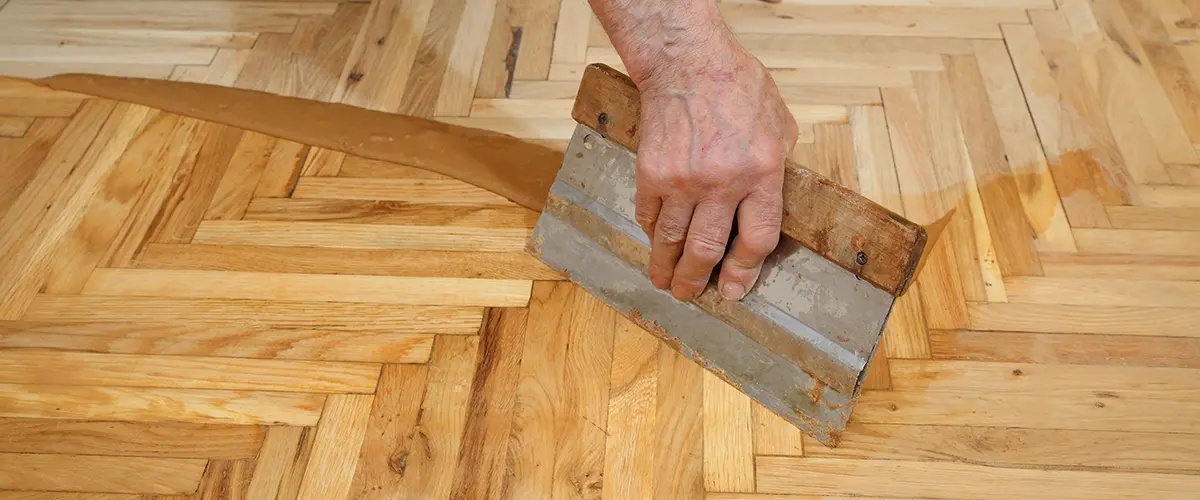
<point x="761" y="243"/>
<point x="705" y="250"/>
<point x="671" y="230"/>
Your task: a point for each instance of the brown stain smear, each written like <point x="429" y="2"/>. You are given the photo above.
<point x="517" y="170"/>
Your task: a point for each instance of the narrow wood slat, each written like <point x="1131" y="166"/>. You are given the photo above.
<point x="366" y="262"/>
<point x="1149" y="267"/>
<point x="870" y="20"/>
<point x="1184" y="175"/>
<point x="279" y="176"/>
<point x="343" y="316"/>
<point x="466" y="58"/>
<point x="184" y="372"/>
<point x="392" y="435"/>
<point x="383" y="46"/>
<point x="62" y="495"/>
<point x="339" y="434"/>
<point x="360" y="167"/>
<point x="156" y="405"/>
<point x="1105" y="291"/>
<point x="336" y="235"/>
<point x="23" y="157"/>
<point x="629" y="467"/>
<point x="728" y="438"/>
<point x="448" y="191"/>
<point x="583" y="412"/>
<point x="1173" y="76"/>
<point x="678" y="428"/>
<point x="1065" y="380"/>
<point x="225" y="480"/>
<point x="571" y="32"/>
<point x="1165" y="218"/>
<point x="1055" y="348"/>
<point x="400" y="290"/>
<point x="1027" y="448"/>
<point x="431" y="61"/>
<point x="14" y="126"/>
<point x="245" y="340"/>
<point x="160" y="439"/>
<point x="816" y="476"/>
<point x="1169" y="196"/>
<point x="536" y="19"/>
<point x="482" y="462"/>
<point x="325" y="43"/>
<point x="1053" y="318"/>
<point x="169" y="476"/>
<point x="499" y="56"/>
<point x="773" y="435"/>
<point x="201" y="15"/>
<point x="390" y="212"/>
<point x="284" y="455"/>
<point x="1135" y="241"/>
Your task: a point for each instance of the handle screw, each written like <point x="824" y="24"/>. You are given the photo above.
<point x="861" y="259"/>
<point x="602" y="119"/>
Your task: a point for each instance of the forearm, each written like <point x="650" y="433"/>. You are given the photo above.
<point x="653" y="35"/>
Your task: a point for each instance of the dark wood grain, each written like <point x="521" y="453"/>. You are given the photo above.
<point x="828" y="218"/>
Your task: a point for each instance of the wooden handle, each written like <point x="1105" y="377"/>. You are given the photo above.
<point x="863" y="237"/>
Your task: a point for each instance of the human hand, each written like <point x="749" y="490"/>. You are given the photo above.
<point x="714" y="135"/>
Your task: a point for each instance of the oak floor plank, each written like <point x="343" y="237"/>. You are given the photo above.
<point x="389" y="212"/>
<point x="169" y="476"/>
<point x="15" y="126"/>
<point x="319" y="315"/>
<point x="246" y="165"/>
<point x="226" y="480"/>
<point x="629" y="466"/>
<point x="383" y="54"/>
<point x="234" y="340"/>
<point x="886" y="20"/>
<point x="184" y="372"/>
<point x="773" y="435"/>
<point x="1135" y="267"/>
<point x="441" y="191"/>
<point x="466" y="58"/>
<point x="1110" y="320"/>
<point x="1054" y="348"/>
<point x="817" y="476"/>
<point x="204" y="166"/>
<point x="137" y="439"/>
<point x="335" y="447"/>
<point x="392" y="434"/>
<point x="157" y="405"/>
<point x="338" y="235"/>
<point x="1104" y="291"/>
<point x="281" y="461"/>
<point x="23" y="156"/>
<point x="1165" y="218"/>
<point x="1138" y="241"/>
<point x="399" y="290"/>
<point x="728" y="438"/>
<point x="678" y="428"/>
<point x="363" y="262"/>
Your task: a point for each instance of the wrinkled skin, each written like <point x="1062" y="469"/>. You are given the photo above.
<point x="714" y="135"/>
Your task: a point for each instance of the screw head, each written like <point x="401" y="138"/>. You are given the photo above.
<point x="602" y="119"/>
<point x="861" y="259"/>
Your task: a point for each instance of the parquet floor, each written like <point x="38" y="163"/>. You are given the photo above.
<point x="191" y="310"/>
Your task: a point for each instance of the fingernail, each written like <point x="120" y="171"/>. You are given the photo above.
<point x="733" y="291"/>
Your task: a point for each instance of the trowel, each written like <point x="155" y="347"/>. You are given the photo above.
<point x="801" y="339"/>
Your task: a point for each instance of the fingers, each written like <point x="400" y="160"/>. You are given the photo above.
<point x="706" y="239"/>
<point x="758" y="219"/>
<point x="670" y="232"/>
<point x="647" y="205"/>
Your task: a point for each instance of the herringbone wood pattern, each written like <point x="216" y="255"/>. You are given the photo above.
<point x="196" y="310"/>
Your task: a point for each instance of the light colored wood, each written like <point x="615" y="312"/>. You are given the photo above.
<point x="1184" y="175"/>
<point x="369" y="82"/>
<point x="392" y="434"/>
<point x="1130" y="267"/>
<point x="237" y="186"/>
<point x="481" y="471"/>
<point x="816" y="476"/>
<point x="728" y="441"/>
<point x="447" y="191"/>
<point x="23" y="156"/>
<point x="1137" y="241"/>
<point x="14" y="126"/>
<point x="280" y="451"/>
<point x="391" y="213"/>
<point x="348" y="316"/>
<point x="409" y="263"/>
<point x="125" y="370"/>
<point x="225" y="479"/>
<point x="41" y="215"/>
<point x="59" y="495"/>
<point x="1054" y="318"/>
<point x="168" y="476"/>
<point x="1169" y="196"/>
<point x="278" y="178"/>
<point x="204" y="164"/>
<point x="1168" y="65"/>
<point x="336" y="235"/>
<point x="1064" y="380"/>
<point x="466" y="58"/>
<point x="939" y="284"/>
<point x="678" y="430"/>
<point x="536" y="19"/>
<point x="116" y="199"/>
<point x="156" y="405"/>
<point x="587" y="363"/>
<point x="1164" y="218"/>
<point x="159" y="439"/>
<point x="322" y="162"/>
<point x="400" y="290"/>
<point x="1105" y="291"/>
<point x="1001" y="447"/>
<point x="571" y="32"/>
<point x="773" y="435"/>
<point x="1051" y="348"/>
<point x="335" y="447"/>
<point x="873" y="20"/>
<point x="629" y="467"/>
<point x="222" y="340"/>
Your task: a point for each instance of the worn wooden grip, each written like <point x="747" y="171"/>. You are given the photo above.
<point x="863" y="237"/>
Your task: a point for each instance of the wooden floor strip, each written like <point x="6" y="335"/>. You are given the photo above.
<point x="443" y="191"/>
<point x="1135" y="241"/>
<point x="335" y="447"/>
<point x="1055" y="348"/>
<point x="818" y="476"/>
<point x="390" y="212"/>
<point x="158" y="405"/>
<point x="398" y="290"/>
<point x="1112" y="320"/>
<point x="336" y="235"/>
<point x="136" y="439"/>
<point x="319" y="315"/>
<point x="185" y="372"/>
<point x="1104" y="291"/>
<point x="167" y="476"/>
<point x="1117" y="266"/>
<point x="284" y="456"/>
